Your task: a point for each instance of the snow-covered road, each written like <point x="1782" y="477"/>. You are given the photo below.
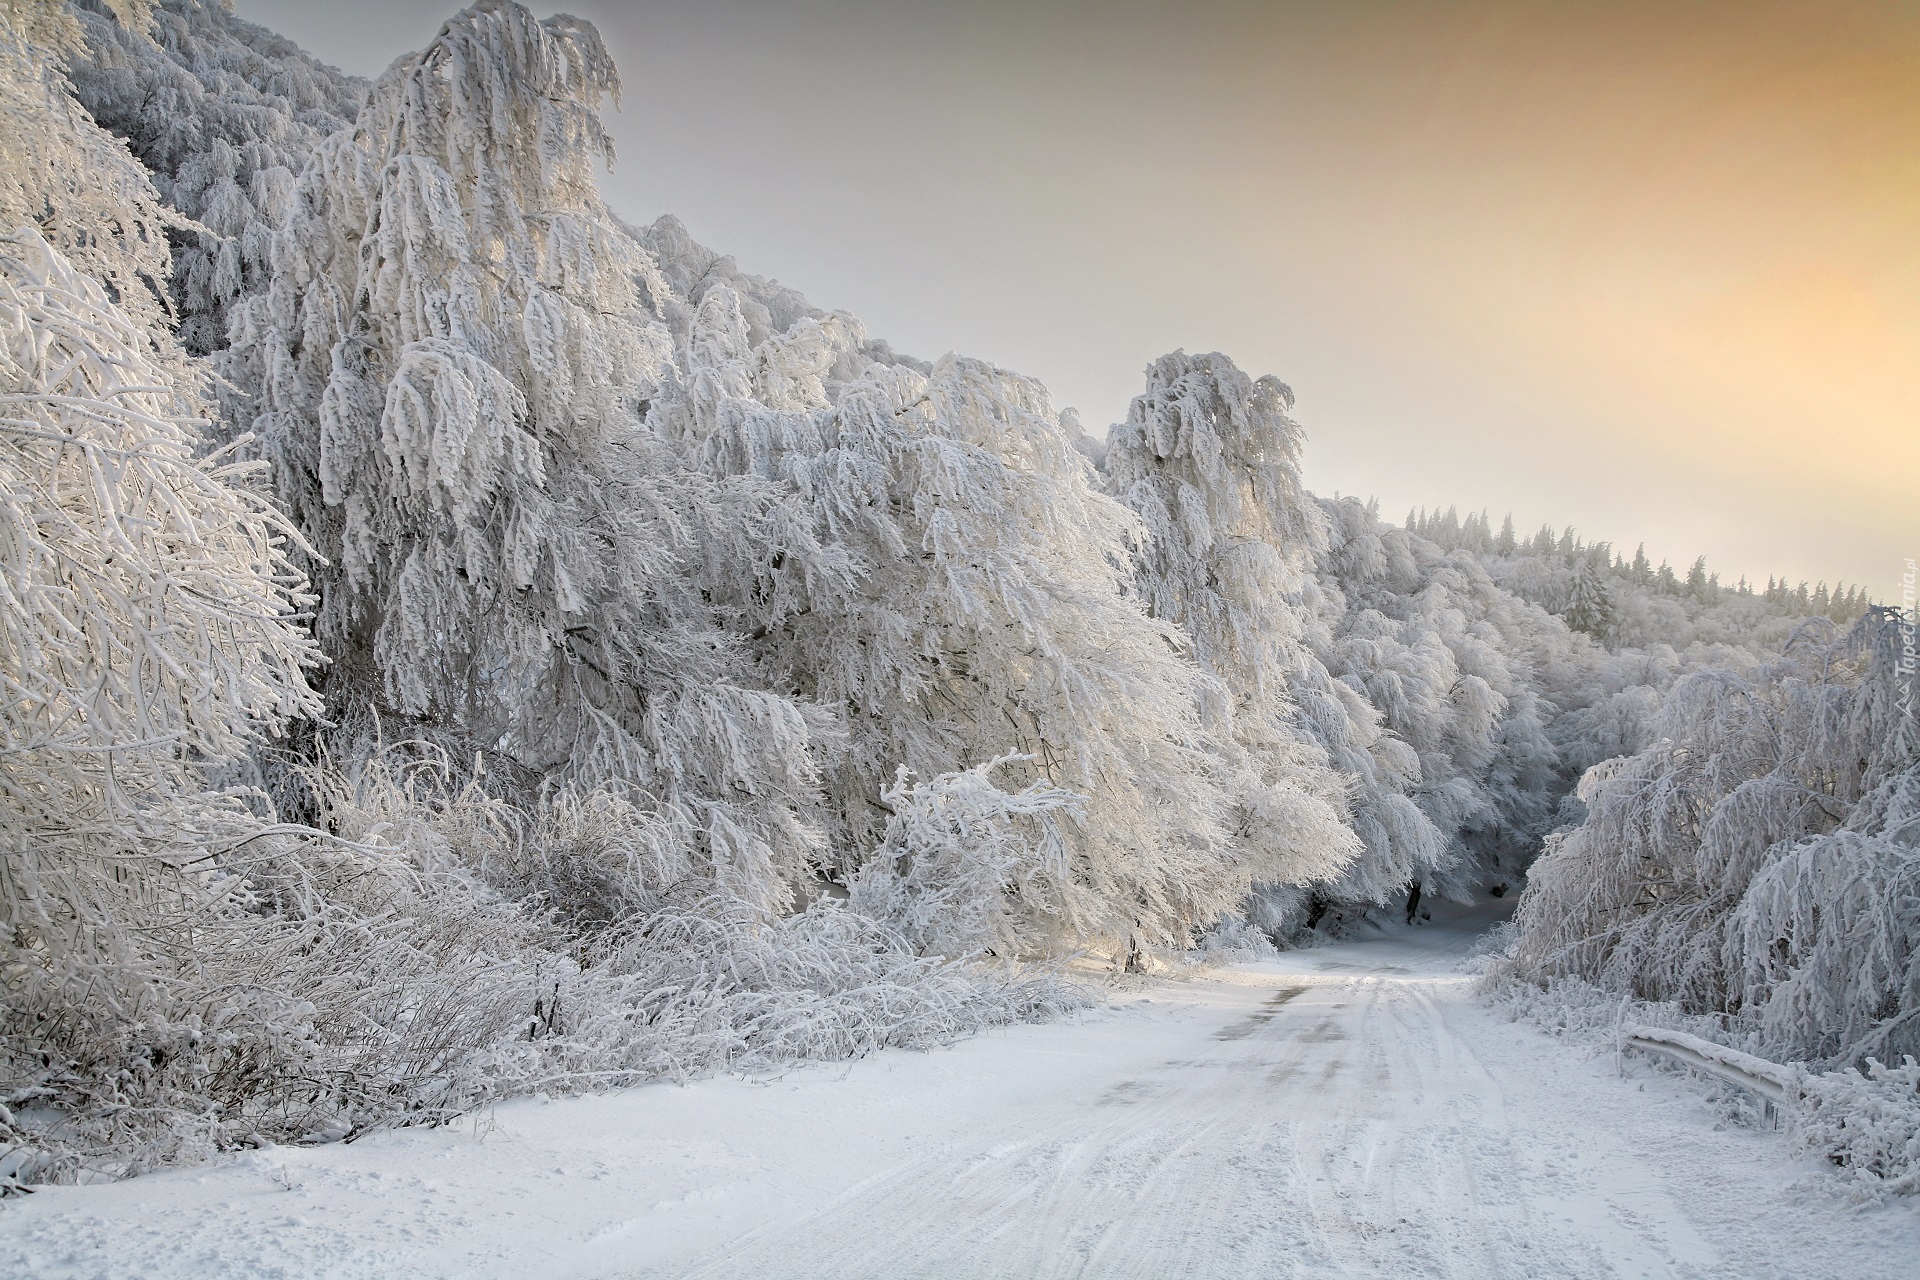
<point x="1346" y="1111"/>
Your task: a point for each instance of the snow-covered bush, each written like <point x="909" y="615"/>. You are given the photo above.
<point x="1866" y="1122"/>
<point x="404" y="967"/>
<point x="949" y="872"/>
<point x="1234" y="941"/>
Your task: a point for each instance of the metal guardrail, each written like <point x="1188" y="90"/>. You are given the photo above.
<point x="1767" y="1081"/>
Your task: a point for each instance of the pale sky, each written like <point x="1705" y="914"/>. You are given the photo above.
<point x="1649" y="269"/>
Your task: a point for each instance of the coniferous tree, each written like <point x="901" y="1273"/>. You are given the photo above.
<point x="1591" y="606"/>
<point x="1697" y="579"/>
<point x="1507" y="543"/>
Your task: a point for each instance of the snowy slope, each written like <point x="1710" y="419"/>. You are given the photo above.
<point x="1346" y="1111"/>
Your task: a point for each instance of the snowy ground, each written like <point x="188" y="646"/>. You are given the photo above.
<point x="1346" y="1111"/>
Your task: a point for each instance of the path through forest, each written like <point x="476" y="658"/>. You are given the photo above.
<point x="1344" y="1111"/>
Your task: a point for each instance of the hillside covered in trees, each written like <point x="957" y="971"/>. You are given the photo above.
<point x="457" y="643"/>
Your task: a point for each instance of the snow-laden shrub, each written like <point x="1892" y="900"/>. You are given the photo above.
<point x="1235" y="941"/>
<point x="1865" y="1122"/>
<point x="304" y="986"/>
<point x="957" y="853"/>
<point x="704" y="982"/>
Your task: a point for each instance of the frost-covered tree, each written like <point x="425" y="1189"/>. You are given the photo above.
<point x="953" y="584"/>
<point x="1457" y="671"/>
<point x="1210" y="461"/>
<point x="1590" y="609"/>
<point x="182" y="974"/>
<point x="61" y="173"/>
<point x="224" y="114"/>
<point x="148" y="606"/>
<point x="146" y="597"/>
<point x="728" y="599"/>
<point x="1410" y="673"/>
<point x="146" y="618"/>
<point x="451" y="363"/>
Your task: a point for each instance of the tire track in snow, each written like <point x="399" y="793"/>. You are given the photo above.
<point x="1343" y="1128"/>
<point x="1076" y="1197"/>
